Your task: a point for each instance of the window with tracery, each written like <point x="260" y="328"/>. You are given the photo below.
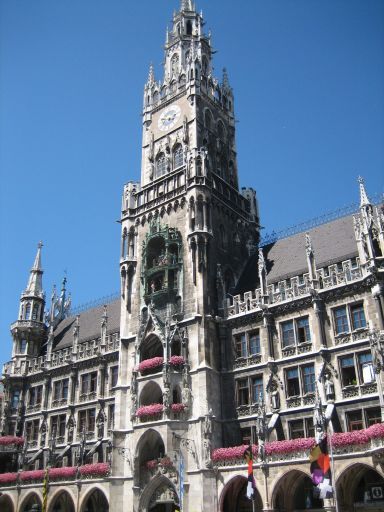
<point x="161" y="165"/>
<point x="178" y="156"/>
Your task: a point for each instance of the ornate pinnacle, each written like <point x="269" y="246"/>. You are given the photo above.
<point x="151" y="74"/>
<point x="186" y="5"/>
<point x="261" y="263"/>
<point x="364" y="201"/>
<point x="225" y="78"/>
<point x="308" y="244"/>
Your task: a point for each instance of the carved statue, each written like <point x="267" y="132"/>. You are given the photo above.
<point x="185" y="396"/>
<point x="275" y="396"/>
<point x="207" y="452"/>
<point x="207" y="427"/>
<point x="185" y="131"/>
<point x="166" y="398"/>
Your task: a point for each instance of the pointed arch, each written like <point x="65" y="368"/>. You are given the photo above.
<point x="160" y="165"/>
<point x="62" y="501"/>
<point x="294" y="490"/>
<point x="6" y="503"/>
<point x="32" y="498"/>
<point x="178" y="156"/>
<point x="159" y="485"/>
<point x="233" y="497"/>
<point x="151" y="347"/>
<point x="151" y="394"/>
<point x="95" y="500"/>
<point x="360" y="483"/>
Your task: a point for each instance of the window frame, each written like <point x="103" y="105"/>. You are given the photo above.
<point x="294" y="336"/>
<point x="350" y="319"/>
<point x="242" y="341"/>
<point x="357" y="365"/>
<point x="302" y="387"/>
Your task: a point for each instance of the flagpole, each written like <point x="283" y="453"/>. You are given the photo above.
<point x="252" y="443"/>
<point x="333" y="464"/>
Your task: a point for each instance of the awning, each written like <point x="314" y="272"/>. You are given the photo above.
<point x="329" y="411"/>
<point x="63" y="452"/>
<point x="273" y="421"/>
<point x="35" y="456"/>
<point x="94" y="447"/>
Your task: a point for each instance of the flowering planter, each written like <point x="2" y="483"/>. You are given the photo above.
<point x="100" y="469"/>
<point x="152" y="464"/>
<point x="8" y="478"/>
<point x="11" y="440"/>
<point x="177" y="408"/>
<point x="149" y="410"/>
<point x="65" y="473"/>
<point x="343" y="442"/>
<point x="148" y="365"/>
<point x="176" y="361"/>
<point x="32" y="476"/>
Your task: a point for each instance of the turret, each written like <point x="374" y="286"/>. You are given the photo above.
<point x="29" y="330"/>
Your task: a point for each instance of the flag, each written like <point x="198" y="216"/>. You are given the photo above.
<point x="45" y="491"/>
<point x="251" y="487"/>
<point x="321" y="470"/>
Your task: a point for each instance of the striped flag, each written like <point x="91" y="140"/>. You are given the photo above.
<point x="321" y="470"/>
<point x="45" y="491"/>
<point x="251" y="487"/>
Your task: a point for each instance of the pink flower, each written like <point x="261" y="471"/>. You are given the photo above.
<point x="165" y="462"/>
<point x="350" y="438"/>
<point x="290" y="445"/>
<point x="37" y="474"/>
<point x="8" y="478"/>
<point x="176" y="360"/>
<point x="233" y="452"/>
<point x="66" y="472"/>
<point x="177" y="407"/>
<point x="149" y="410"/>
<point x="150" y="364"/>
<point x="99" y="469"/>
<point x="376" y="431"/>
<point x="7" y="440"/>
<point x="152" y="464"/>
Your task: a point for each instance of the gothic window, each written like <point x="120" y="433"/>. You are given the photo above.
<point x="208" y="119"/>
<point x="189" y="28"/>
<point x="177" y="156"/>
<point x="28" y="311"/>
<point x="111" y="417"/>
<point x="131" y="243"/>
<point x="172" y="87"/>
<point x="151" y="347"/>
<point x="198" y="167"/>
<point x="204" y="65"/>
<point x="163" y="92"/>
<point x="174" y="64"/>
<point x="257" y="389"/>
<point x="221" y="130"/>
<point x="60" y="389"/>
<point x="182" y="80"/>
<point x="155" y="97"/>
<point x="247" y="343"/>
<point x="242" y="392"/>
<point x="88" y="383"/>
<point x="124" y="244"/>
<point x="58" y="426"/>
<point x="113" y="375"/>
<point x="35" y="312"/>
<point x="86" y="420"/>
<point x="32" y="430"/>
<point x="349" y="315"/>
<point x="15" y="398"/>
<point x="35" y="396"/>
<point x="23" y="346"/>
<point x="161" y="165"/>
<point x="295" y="331"/>
<point x="151" y="394"/>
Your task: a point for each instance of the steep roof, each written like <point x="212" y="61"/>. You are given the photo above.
<point x="89" y="322"/>
<point x="331" y="242"/>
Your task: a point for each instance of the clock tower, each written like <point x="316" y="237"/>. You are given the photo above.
<point x="187" y="232"/>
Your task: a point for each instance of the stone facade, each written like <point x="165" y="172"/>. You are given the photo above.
<point x="213" y="342"/>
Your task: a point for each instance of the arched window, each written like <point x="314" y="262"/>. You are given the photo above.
<point x="221" y="130"/>
<point x="163" y="92"/>
<point x="182" y="80"/>
<point x="177" y="156"/>
<point x="174" y="64"/>
<point x="189" y="28"/>
<point x="35" y="312"/>
<point x="208" y="119"/>
<point x="199" y="170"/>
<point x="161" y="165"/>
<point x="172" y="87"/>
<point x="155" y="97"/>
<point x="204" y="65"/>
<point x="28" y="311"/>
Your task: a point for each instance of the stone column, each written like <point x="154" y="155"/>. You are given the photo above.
<point x="318" y="306"/>
<point x="269" y="326"/>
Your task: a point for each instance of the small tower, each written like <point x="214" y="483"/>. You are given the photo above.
<point x="29" y="330"/>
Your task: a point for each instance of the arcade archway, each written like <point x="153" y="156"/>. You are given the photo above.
<point x="234" y="497"/>
<point x="360" y="487"/>
<point x="31" y="502"/>
<point x="62" y="503"/>
<point x="95" y="502"/>
<point x="294" y="492"/>
<point x="6" y="504"/>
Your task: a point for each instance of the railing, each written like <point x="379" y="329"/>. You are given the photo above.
<point x="357" y="335"/>
<point x="363" y="389"/>
<point x="241" y="362"/>
<point x="298" y="287"/>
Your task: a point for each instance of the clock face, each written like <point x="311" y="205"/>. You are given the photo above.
<point x="169" y="118"/>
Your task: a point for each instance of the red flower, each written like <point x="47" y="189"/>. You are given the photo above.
<point x="7" y="440"/>
<point x="37" y="474"/>
<point x="176" y="360"/>
<point x="149" y="410"/>
<point x="66" y="472"/>
<point x="150" y="364"/>
<point x="8" y="478"/>
<point x="99" y="469"/>
<point x="177" y="407"/>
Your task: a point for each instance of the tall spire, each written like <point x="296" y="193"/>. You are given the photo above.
<point x="151" y="74"/>
<point x="186" y="5"/>
<point x="364" y="201"/>
<point x="35" y="282"/>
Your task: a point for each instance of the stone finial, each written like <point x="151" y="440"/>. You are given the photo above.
<point x="151" y="74"/>
<point x="308" y="244"/>
<point x="364" y="201"/>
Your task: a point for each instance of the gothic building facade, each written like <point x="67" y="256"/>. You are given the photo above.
<point x="147" y="403"/>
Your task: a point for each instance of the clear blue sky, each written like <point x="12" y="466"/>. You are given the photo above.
<point x="308" y="77"/>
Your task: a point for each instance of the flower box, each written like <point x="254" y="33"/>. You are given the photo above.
<point x="150" y="364"/>
<point x="152" y="464"/>
<point x="28" y="476"/>
<point x="290" y="445"/>
<point x="232" y="452"/>
<point x="62" y="473"/>
<point x="176" y="361"/>
<point x="100" y="469"/>
<point x="8" y="478"/>
<point x="165" y="462"/>
<point x="149" y="410"/>
<point x="8" y="440"/>
<point x="177" y="408"/>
